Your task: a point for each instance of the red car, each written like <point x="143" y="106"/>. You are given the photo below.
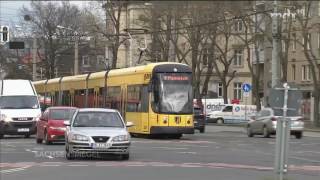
<point x="50" y="128"/>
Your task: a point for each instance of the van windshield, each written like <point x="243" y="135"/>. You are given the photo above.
<point x="19" y="102"/>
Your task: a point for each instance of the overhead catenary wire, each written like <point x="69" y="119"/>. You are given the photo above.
<point x="203" y="24"/>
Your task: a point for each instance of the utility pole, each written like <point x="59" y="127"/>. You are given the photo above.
<point x="76" y="54"/>
<point x="275" y="63"/>
<point x="34" y="59"/>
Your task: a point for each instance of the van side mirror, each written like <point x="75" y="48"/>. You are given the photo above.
<point x="66" y="123"/>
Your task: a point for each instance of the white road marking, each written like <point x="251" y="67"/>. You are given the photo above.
<point x="170" y="148"/>
<point x="187" y="152"/>
<point x="7" y="171"/>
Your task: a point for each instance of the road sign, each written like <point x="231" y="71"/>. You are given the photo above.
<point x="246" y="87"/>
<point x="246" y="94"/>
<point x="276" y="100"/>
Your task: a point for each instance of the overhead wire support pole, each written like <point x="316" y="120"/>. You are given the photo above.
<point x="275" y="62"/>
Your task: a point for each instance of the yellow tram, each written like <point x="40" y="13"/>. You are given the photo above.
<point x="156" y="97"/>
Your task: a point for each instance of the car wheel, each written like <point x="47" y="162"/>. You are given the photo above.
<point x="46" y="140"/>
<point x="249" y="132"/>
<point x="69" y="155"/>
<point x="175" y="136"/>
<point x="201" y="130"/>
<point x="298" y="135"/>
<point x="39" y="141"/>
<point x="125" y="156"/>
<point x="220" y="121"/>
<point x="266" y="134"/>
<point x="27" y="135"/>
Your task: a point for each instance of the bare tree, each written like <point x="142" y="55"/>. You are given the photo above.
<point x="44" y="21"/>
<point x="109" y="28"/>
<point x="311" y="55"/>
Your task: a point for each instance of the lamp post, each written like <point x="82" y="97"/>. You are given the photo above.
<point x="76" y="49"/>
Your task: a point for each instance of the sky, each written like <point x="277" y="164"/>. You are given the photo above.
<point x="9" y="10"/>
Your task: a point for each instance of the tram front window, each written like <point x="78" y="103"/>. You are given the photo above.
<point x="174" y="92"/>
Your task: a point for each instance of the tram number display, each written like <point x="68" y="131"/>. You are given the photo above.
<point x="175" y="78"/>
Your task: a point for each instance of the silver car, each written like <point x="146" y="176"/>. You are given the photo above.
<point x="265" y="123"/>
<point x="95" y="131"/>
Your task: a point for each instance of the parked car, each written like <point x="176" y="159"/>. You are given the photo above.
<point x="51" y="126"/>
<point x="97" y="131"/>
<point x="265" y="123"/>
<point x="199" y="119"/>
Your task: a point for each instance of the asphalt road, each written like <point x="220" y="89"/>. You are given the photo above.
<point x="222" y="153"/>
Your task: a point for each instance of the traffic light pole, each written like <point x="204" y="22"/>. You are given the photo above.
<point x="34" y="59"/>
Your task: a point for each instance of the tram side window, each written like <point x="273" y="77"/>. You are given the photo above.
<point x="91" y="97"/>
<point x="79" y="98"/>
<point x="66" y="98"/>
<point x="56" y="98"/>
<point x="101" y="96"/>
<point x="134" y="98"/>
<point x="113" y="97"/>
<point x="137" y="98"/>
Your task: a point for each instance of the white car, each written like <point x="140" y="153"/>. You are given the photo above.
<point x="94" y="131"/>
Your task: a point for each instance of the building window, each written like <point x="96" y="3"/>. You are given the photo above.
<point x="238" y="25"/>
<point x="100" y="60"/>
<point x="319" y="38"/>
<point x="85" y="61"/>
<point x="306" y="41"/>
<point x="237" y="60"/>
<point x="205" y="57"/>
<point x="220" y="90"/>
<point x="283" y="45"/>
<point x="294" y="43"/>
<point x="319" y="8"/>
<point x="293" y="72"/>
<point x="237" y="90"/>
<point x="306" y="73"/>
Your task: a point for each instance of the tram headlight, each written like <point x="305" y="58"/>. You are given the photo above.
<point x="189" y="119"/>
<point x="165" y="119"/>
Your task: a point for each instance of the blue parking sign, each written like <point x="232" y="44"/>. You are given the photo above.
<point x="246" y="87"/>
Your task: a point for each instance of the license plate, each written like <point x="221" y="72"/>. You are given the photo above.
<point x="101" y="145"/>
<point x="23" y="130"/>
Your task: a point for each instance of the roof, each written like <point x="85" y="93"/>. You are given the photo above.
<point x="17" y="87"/>
<point x="61" y="107"/>
<point x="97" y="110"/>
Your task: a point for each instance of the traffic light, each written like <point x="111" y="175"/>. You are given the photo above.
<point x="4" y="32"/>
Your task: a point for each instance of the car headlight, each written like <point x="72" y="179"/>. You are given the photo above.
<point x="58" y="128"/>
<point x="37" y="118"/>
<point x="78" y="137"/>
<point x="121" y="138"/>
<point x="3" y="117"/>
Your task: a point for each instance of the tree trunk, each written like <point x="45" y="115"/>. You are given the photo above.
<point x="316" y="105"/>
<point x="225" y="91"/>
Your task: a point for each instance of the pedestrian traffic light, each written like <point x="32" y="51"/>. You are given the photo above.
<point x="4" y="32"/>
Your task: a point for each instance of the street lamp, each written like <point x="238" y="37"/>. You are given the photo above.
<point x="76" y="49"/>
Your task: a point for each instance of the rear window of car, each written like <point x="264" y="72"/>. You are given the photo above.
<point x="197" y="110"/>
<point x="61" y="114"/>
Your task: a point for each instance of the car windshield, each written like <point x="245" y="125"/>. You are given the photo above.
<point x="61" y="114"/>
<point x="98" y="119"/>
<point x="19" y="102"/>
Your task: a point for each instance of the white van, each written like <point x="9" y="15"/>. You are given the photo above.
<point x="19" y="108"/>
<point x="232" y="113"/>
